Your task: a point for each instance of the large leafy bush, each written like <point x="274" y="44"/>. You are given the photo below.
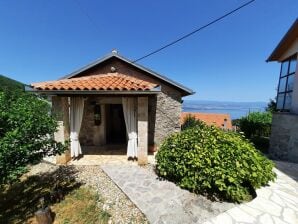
<point x="211" y="161"/>
<point x="26" y="133"/>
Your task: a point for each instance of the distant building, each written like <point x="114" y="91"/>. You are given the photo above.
<point x="284" y="134"/>
<point x="219" y="120"/>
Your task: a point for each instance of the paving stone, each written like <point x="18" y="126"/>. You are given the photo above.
<point x="266" y="206"/>
<point x="251" y="211"/>
<point x="289" y="215"/>
<point x="266" y="219"/>
<point x="278" y="221"/>
<point x="162" y="201"/>
<point x="276" y="199"/>
<point x="276" y="203"/>
<point x="223" y="219"/>
<point x="264" y="192"/>
<point x="240" y="215"/>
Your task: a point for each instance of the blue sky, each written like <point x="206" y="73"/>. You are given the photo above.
<point x="44" y="40"/>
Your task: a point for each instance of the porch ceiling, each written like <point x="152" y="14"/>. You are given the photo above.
<point x="103" y="83"/>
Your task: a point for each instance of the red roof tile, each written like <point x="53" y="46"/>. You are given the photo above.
<point x="109" y="81"/>
<point x="211" y="119"/>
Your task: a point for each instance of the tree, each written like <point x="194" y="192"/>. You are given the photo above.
<point x="271" y="106"/>
<point x="26" y="133"/>
<point x="190" y="121"/>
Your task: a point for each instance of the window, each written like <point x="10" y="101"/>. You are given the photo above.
<point x="286" y="84"/>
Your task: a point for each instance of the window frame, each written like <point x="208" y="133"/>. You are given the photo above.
<point x="288" y="74"/>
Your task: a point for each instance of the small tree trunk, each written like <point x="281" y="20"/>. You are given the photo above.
<point x="43" y="216"/>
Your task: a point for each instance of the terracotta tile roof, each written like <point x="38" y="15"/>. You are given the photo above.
<point x="210" y="119"/>
<point x="109" y="81"/>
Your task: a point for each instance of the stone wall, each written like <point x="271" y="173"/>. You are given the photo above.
<point x="167" y="116"/>
<point x="91" y="134"/>
<point x="87" y="127"/>
<point x="284" y="137"/>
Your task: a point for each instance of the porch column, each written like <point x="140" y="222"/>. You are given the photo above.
<point x="60" y="109"/>
<point x="142" y="130"/>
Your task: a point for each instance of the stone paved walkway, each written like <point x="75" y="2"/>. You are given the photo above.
<point x="275" y="204"/>
<point x="162" y="201"/>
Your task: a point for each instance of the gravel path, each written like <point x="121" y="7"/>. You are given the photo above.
<point x="115" y="202"/>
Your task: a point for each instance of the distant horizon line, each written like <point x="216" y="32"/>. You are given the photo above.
<point x="226" y="101"/>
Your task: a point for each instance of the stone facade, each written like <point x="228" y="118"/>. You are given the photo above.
<point x="284" y="137"/>
<point x="164" y="113"/>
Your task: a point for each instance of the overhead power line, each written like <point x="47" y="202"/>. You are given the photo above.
<point x="85" y="12"/>
<point x="195" y="31"/>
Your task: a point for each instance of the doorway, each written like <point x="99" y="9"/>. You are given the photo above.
<point x="115" y="124"/>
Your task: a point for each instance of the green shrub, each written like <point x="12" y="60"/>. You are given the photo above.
<point x="190" y="122"/>
<point x="256" y="124"/>
<point x="26" y="133"/>
<point x="210" y="161"/>
<point x="261" y="143"/>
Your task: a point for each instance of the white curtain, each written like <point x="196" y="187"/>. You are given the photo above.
<point x="130" y="117"/>
<point x="76" y="115"/>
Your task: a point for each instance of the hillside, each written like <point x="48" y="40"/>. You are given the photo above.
<point x="10" y="84"/>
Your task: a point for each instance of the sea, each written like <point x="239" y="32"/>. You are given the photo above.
<point x="235" y="109"/>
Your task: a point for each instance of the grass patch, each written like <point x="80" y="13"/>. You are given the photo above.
<point x="19" y="201"/>
<point x="79" y="206"/>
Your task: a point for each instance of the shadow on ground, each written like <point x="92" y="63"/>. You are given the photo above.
<point x="290" y="169"/>
<point x="21" y="200"/>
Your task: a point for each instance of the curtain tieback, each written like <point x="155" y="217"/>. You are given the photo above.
<point x="132" y="135"/>
<point x="74" y="137"/>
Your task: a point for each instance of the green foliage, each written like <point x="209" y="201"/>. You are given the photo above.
<point x="261" y="143"/>
<point x="26" y="133"/>
<point x="256" y="124"/>
<point x="211" y="161"/>
<point x="7" y="84"/>
<point x="235" y="122"/>
<point x="190" y="122"/>
<point x="271" y="106"/>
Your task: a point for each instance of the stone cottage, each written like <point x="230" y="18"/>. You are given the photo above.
<point x="114" y="101"/>
<point x="284" y="136"/>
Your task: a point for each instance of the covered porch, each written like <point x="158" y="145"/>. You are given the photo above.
<point x="103" y="135"/>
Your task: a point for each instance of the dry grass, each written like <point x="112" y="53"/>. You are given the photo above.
<point x="80" y="206"/>
<point x="19" y="202"/>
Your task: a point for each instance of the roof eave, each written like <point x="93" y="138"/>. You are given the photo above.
<point x="92" y="92"/>
<point x="275" y="55"/>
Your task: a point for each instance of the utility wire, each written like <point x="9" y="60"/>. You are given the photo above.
<point x="195" y="31"/>
<point x="84" y="11"/>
